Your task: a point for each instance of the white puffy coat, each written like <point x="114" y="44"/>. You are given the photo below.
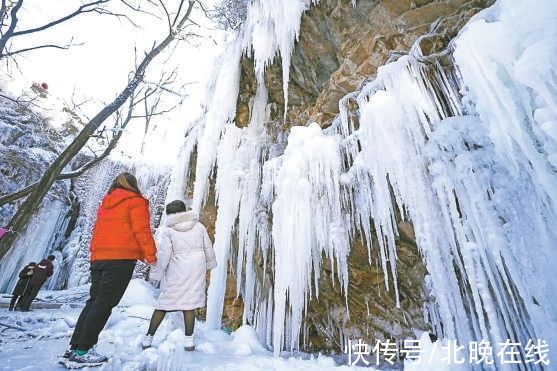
<point x="184" y="254"/>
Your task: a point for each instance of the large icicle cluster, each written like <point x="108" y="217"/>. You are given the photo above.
<point x="475" y="178"/>
<point x="225" y="86"/>
<point x="271" y="28"/>
<point x="466" y="154"/>
<point x="307" y="222"/>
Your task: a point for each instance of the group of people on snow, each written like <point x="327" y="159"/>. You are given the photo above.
<point x="122" y="236"/>
<point x="31" y="279"/>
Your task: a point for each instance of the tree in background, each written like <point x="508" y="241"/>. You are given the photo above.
<point x="9" y="28"/>
<point x="229" y="14"/>
<point x="132" y="93"/>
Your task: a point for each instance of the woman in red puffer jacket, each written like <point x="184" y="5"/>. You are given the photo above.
<point x="122" y="235"/>
<point x="122" y="230"/>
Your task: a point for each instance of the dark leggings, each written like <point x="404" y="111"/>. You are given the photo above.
<point x="158" y="316"/>
<point x="109" y="280"/>
<point x="12" y="302"/>
<point x="25" y="302"/>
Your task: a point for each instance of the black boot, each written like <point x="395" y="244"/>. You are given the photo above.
<point x="12" y="302"/>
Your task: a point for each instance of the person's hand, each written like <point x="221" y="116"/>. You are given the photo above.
<point x="150" y="260"/>
<point x="155" y="283"/>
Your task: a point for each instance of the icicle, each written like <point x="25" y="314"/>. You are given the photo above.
<point x="228" y="196"/>
<point x="307" y="221"/>
<point x="180" y="175"/>
<point x="473" y="186"/>
<point x="474" y="174"/>
<point x="221" y="110"/>
<point x="273" y="26"/>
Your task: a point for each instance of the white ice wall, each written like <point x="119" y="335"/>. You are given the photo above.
<point x="471" y="166"/>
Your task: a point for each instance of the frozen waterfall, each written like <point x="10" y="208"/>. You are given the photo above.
<point x="466" y="153"/>
<point x="65" y="229"/>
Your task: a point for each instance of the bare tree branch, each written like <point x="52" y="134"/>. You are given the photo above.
<point x="178" y="13"/>
<point x="121" y="122"/>
<point x="85" y="8"/>
<point x="97" y="6"/>
<point x="19" y="101"/>
<point x="52" y="46"/>
<point x="138" y="8"/>
<point x="3" y="10"/>
<point x="118" y="130"/>
<point x="167" y="14"/>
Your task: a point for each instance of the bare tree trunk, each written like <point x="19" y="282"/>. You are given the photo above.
<point x="32" y="203"/>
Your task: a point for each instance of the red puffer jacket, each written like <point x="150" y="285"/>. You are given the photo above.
<point x="122" y="230"/>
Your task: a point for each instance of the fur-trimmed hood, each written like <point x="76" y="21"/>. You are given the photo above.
<point x="183" y="221"/>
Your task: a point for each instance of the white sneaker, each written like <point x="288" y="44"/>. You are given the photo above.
<point x="89" y="359"/>
<point x="147" y="341"/>
<point x="188" y="343"/>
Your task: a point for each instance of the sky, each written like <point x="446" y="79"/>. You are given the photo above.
<point x="98" y="68"/>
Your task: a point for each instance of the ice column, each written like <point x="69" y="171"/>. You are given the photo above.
<point x="307" y="222"/>
<point x="221" y="110"/>
<point x="228" y="198"/>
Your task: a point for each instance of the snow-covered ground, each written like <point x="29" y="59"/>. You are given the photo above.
<point x="43" y="334"/>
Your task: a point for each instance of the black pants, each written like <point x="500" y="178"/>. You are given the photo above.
<point x="109" y="280"/>
<point x="13" y="301"/>
<point x="30" y="295"/>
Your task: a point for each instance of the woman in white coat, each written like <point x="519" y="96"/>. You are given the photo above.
<point x="184" y="254"/>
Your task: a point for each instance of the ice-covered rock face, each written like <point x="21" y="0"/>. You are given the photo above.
<point x="339" y="47"/>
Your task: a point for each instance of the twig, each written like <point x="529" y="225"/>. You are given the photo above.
<point x="50" y="46"/>
<point x="13" y="327"/>
<point x="146" y="319"/>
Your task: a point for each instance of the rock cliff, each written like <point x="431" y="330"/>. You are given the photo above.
<point x="341" y="46"/>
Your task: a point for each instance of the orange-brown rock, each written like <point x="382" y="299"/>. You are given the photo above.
<point x="339" y="49"/>
<point x="341" y="46"/>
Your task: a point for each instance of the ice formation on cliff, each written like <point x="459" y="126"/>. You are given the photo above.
<point x="467" y="155"/>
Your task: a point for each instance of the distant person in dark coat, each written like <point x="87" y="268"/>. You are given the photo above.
<point x="23" y="283"/>
<point x="43" y="270"/>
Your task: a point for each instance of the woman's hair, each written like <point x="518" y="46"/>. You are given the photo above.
<point x="125" y="181"/>
<point x="176" y="206"/>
